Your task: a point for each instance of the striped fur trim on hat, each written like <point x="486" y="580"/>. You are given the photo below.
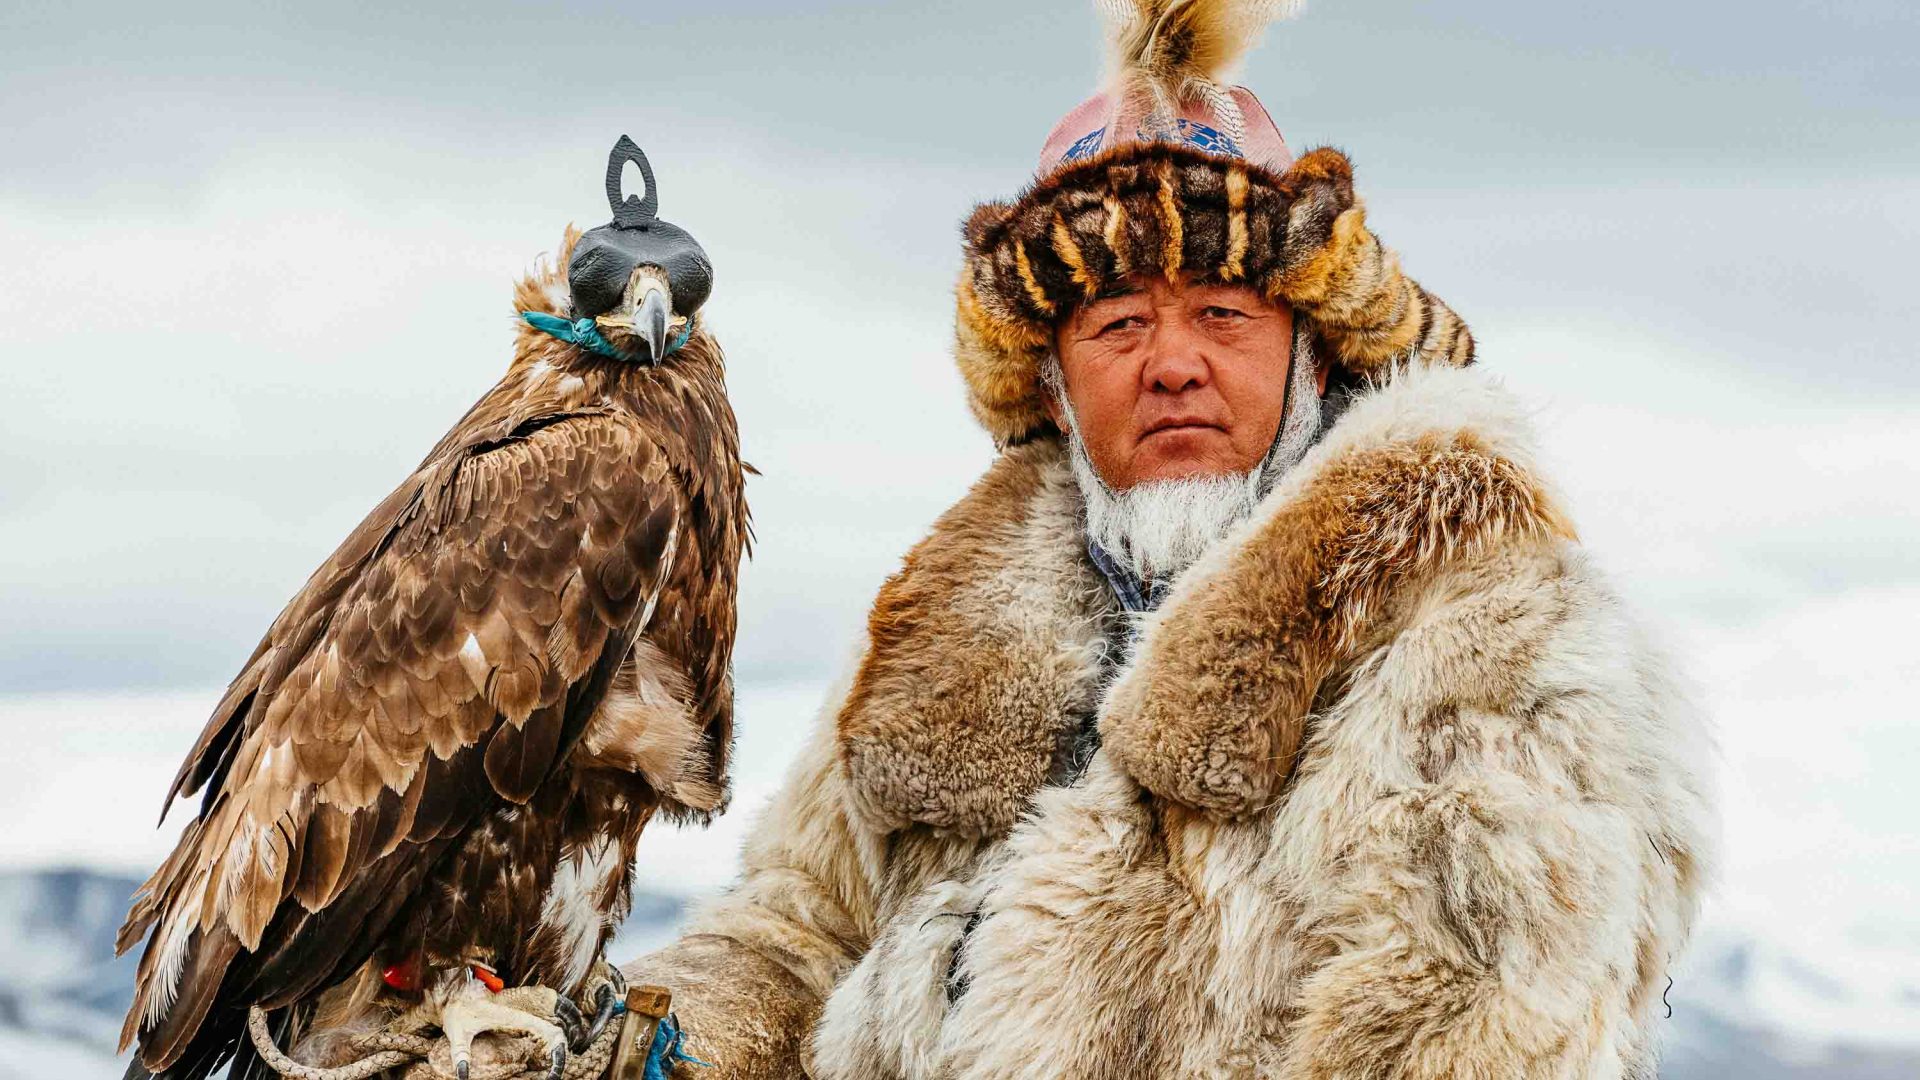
<point x="1298" y="237"/>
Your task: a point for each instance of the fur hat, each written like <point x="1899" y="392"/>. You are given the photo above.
<point x="1168" y="171"/>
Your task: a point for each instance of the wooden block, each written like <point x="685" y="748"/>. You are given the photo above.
<point x="652" y="1002"/>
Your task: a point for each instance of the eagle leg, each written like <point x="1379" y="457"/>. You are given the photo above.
<point x="473" y="1010"/>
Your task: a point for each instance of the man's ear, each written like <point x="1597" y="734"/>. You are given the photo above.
<point x="1320" y="378"/>
<point x="1052" y="401"/>
<point x="1053" y="384"/>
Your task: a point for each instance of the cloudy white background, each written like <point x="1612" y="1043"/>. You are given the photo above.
<point x="255" y="258"/>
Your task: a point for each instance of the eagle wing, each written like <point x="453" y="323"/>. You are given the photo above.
<point x="445" y="657"/>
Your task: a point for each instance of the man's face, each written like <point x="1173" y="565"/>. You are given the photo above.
<point x="1174" y="380"/>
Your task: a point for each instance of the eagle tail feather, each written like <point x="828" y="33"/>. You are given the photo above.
<point x="165" y="1040"/>
<point x="149" y="900"/>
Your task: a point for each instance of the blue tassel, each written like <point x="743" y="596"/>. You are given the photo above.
<point x="665" y="1052"/>
<point x="586" y="334"/>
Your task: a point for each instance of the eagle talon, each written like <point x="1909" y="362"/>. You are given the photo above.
<point x="605" y="1000"/>
<point x="567" y="1015"/>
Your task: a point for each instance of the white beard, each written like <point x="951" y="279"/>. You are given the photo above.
<point x="1158" y="528"/>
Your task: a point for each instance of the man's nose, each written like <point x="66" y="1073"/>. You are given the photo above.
<point x="1178" y="362"/>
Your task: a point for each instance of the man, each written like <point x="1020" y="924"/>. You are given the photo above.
<point x="1256" y="714"/>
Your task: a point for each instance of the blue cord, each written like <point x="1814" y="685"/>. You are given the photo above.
<point x="585" y="333"/>
<point x="665" y="1052"/>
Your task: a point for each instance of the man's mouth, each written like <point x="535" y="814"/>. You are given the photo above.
<point x="1180" y="423"/>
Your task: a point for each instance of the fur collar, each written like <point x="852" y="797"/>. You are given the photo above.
<point x="984" y="651"/>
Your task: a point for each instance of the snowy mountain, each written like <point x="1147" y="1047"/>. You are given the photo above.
<point x="1761" y="1010"/>
<point x="64" y="992"/>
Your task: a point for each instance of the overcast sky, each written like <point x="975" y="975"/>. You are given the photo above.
<point x="255" y="259"/>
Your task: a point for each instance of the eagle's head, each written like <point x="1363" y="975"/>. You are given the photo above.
<point x="642" y="280"/>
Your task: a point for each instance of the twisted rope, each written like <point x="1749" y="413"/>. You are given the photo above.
<point x="377" y="1061"/>
<point x="420" y="1057"/>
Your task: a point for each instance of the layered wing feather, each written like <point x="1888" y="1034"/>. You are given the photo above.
<point x="444" y="659"/>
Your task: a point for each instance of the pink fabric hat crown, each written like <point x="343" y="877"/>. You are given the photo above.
<point x="1167" y="56"/>
<point x="1106" y="120"/>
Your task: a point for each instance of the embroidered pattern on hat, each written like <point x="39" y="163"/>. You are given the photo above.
<point x="1085" y="146"/>
<point x="1201" y="137"/>
<point x="1191" y="132"/>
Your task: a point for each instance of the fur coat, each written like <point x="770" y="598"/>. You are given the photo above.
<point x="1390" y="786"/>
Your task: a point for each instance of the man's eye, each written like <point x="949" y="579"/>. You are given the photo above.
<point x="1125" y="322"/>
<point x="1217" y="312"/>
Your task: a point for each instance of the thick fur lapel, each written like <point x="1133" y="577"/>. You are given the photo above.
<point x="982" y="652"/>
<point x="1432" y="468"/>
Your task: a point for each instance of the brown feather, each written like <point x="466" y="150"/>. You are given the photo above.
<point x="323" y="859"/>
<point x="519" y="756"/>
<point x="453" y="788"/>
<point x="199" y="984"/>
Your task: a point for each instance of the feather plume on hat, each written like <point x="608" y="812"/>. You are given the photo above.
<point x="1184" y="50"/>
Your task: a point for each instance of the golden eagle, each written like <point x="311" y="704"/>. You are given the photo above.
<point x="429" y="778"/>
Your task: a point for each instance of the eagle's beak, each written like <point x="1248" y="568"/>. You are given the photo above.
<point x="641" y="321"/>
<point x="650" y="323"/>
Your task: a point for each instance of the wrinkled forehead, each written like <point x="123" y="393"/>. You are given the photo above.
<point x="1139" y="288"/>
<point x="1107" y="120"/>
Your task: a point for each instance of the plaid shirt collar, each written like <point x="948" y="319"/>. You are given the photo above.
<point x="1136" y="596"/>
